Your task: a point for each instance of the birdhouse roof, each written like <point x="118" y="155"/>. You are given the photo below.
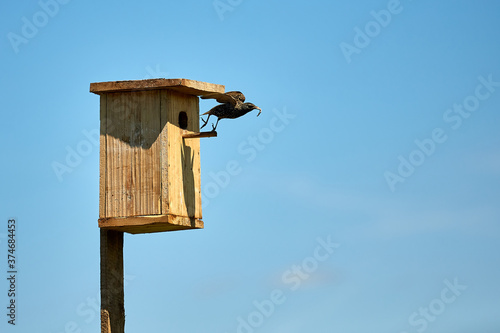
<point x="189" y="87"/>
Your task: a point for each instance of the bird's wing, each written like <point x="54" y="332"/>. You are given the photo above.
<point x="231" y="97"/>
<point x="237" y="95"/>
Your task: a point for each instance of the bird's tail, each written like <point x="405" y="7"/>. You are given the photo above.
<point x="208" y="112"/>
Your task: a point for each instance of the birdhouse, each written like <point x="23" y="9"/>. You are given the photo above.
<point x="150" y="154"/>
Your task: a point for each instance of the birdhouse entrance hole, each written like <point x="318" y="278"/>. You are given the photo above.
<point x="183" y="120"/>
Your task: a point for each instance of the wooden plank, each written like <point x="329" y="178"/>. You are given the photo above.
<point x="114" y="125"/>
<point x="190" y="87"/>
<point x="194" y="125"/>
<point x="134" y="182"/>
<point x="164" y="160"/>
<point x="102" y="157"/>
<point x="124" y="182"/>
<point x="183" y="157"/>
<point x="149" y="224"/>
<point x="112" y="283"/>
<point x="118" y="166"/>
<point x="146" y="184"/>
<point x="189" y="134"/>
<point x="174" y="175"/>
<point x="150" y="154"/>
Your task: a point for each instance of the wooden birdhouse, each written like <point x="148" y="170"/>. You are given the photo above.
<point x="150" y="154"/>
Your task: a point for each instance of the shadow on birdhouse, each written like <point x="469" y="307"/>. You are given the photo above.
<point x="150" y="154"/>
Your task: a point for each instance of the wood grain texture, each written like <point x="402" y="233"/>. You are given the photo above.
<point x="133" y="184"/>
<point x="147" y="166"/>
<point x="150" y="224"/>
<point x="183" y="176"/>
<point x="164" y="157"/>
<point x="190" y="87"/>
<point x="102" y="157"/>
<point x="105" y="323"/>
<point x="112" y="283"/>
<point x="189" y="134"/>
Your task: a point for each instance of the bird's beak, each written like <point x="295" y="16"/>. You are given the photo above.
<point x="260" y="110"/>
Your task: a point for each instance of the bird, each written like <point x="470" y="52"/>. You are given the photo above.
<point x="232" y="106"/>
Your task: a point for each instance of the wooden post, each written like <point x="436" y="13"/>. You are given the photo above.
<point x="112" y="293"/>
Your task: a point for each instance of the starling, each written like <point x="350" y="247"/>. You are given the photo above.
<point x="232" y="106"/>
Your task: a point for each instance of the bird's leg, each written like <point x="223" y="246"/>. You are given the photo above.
<point x="214" y="127"/>
<point x="204" y="122"/>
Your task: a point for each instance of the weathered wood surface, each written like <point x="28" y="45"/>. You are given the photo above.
<point x="102" y="156"/>
<point x="132" y="154"/>
<point x="151" y="223"/>
<point x="190" y="87"/>
<point x="147" y="166"/>
<point x="183" y="195"/>
<point x="105" y="322"/>
<point x="112" y="283"/>
<point x="189" y="134"/>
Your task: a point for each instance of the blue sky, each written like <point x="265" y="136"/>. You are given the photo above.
<point x="366" y="197"/>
